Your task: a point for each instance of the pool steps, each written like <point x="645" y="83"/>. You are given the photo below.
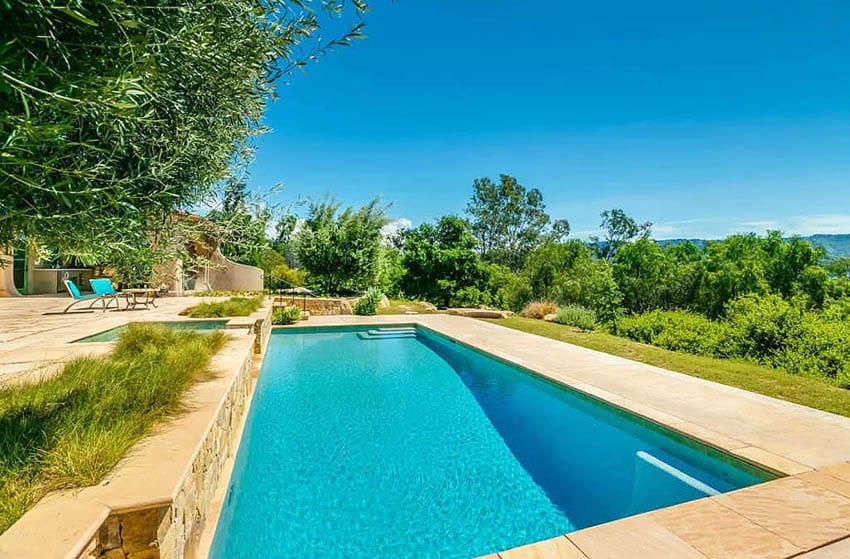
<point x="388" y="333"/>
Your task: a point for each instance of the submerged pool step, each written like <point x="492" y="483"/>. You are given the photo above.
<point x="391" y="332"/>
<point x="388" y="334"/>
<point x="367" y="336"/>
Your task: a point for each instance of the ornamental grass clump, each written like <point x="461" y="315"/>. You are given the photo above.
<point x="539" y="309"/>
<point x="235" y="306"/>
<point x="368" y="304"/>
<point x="70" y="430"/>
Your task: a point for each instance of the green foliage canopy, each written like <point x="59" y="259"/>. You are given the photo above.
<point x="242" y="225"/>
<point x="440" y="261"/>
<point x="510" y="220"/>
<point x="618" y="229"/>
<point x="113" y="113"/>
<point x="340" y="250"/>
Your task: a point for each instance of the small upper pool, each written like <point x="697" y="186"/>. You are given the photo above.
<point x="112" y="334"/>
<point x="398" y="442"/>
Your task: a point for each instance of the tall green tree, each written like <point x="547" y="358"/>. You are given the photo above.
<point x="510" y="220"/>
<point x="566" y="273"/>
<point x="114" y="113"/>
<point x="618" y="229"/>
<point x="643" y="272"/>
<point x="340" y="250"/>
<point x="440" y="261"/>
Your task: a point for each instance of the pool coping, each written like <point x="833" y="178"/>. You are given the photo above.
<point x="803" y="513"/>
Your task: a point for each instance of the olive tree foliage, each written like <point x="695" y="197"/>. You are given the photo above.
<point x="341" y="250"/>
<point x="243" y="220"/>
<point x="114" y="113"/>
<point x="510" y="220"/>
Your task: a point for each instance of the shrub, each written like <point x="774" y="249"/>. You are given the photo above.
<point x="228" y="293"/>
<point x="539" y="309"/>
<point x="469" y="297"/>
<point x="821" y="349"/>
<point x="235" y="306"/>
<point x="762" y="325"/>
<point x="284" y="274"/>
<point x="286" y="315"/>
<point x="577" y="316"/>
<point x="679" y="331"/>
<point x="367" y="305"/>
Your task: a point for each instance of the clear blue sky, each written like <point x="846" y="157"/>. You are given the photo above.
<point x="705" y="117"/>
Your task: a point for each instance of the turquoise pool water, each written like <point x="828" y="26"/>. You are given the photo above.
<point x="367" y="444"/>
<point x="112" y="334"/>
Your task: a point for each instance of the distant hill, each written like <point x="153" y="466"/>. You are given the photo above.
<point x="836" y="246"/>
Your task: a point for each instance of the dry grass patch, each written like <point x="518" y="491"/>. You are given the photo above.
<point x="539" y="309"/>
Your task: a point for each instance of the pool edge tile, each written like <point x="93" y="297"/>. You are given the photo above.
<point x="719" y="532"/>
<point x="806" y="514"/>
<point x="635" y="536"/>
<point x="771" y="461"/>
<point x="554" y="548"/>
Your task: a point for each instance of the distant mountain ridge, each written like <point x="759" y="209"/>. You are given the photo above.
<point x="836" y="246"/>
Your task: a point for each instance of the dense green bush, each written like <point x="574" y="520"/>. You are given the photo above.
<point x="367" y="305"/>
<point x="286" y="315"/>
<point x="577" y="316"/>
<point x="678" y="331"/>
<point x="762" y="325"/>
<point x="469" y="297"/>
<point x="821" y="348"/>
<point x="765" y="329"/>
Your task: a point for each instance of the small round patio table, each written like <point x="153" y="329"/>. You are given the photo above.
<point x="145" y="297"/>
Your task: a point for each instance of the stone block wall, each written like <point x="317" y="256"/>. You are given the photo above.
<point x="172" y="531"/>
<point x="318" y="306"/>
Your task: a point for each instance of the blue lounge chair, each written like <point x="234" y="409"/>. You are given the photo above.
<point x="95" y="297"/>
<point x="103" y="287"/>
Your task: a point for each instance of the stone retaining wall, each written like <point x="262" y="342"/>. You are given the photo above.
<point x="318" y="306"/>
<point x="170" y="532"/>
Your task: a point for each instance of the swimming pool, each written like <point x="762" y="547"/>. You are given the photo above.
<point x="387" y="443"/>
<point x="112" y="334"/>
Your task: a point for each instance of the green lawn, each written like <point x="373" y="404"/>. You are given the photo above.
<point x="401" y="306"/>
<point x="70" y="430"/>
<point x="756" y="378"/>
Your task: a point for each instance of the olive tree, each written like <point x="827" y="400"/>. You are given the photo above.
<point x="114" y="113"/>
